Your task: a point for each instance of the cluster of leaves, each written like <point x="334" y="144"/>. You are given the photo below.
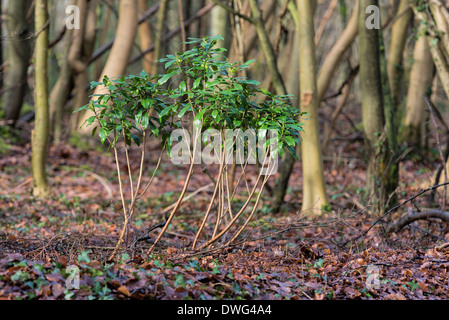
<point x="200" y="83"/>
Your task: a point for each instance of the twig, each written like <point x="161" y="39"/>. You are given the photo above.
<point x="395" y="208"/>
<point x="189" y="196"/>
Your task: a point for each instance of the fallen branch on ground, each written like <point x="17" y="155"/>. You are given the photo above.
<point x="412" y="216"/>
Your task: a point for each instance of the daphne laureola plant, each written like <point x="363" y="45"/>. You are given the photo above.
<point x="201" y="87"/>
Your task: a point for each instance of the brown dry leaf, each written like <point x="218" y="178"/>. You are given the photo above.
<point x="63" y="261"/>
<point x="171" y="250"/>
<point x="395" y="296"/>
<point x="124" y="290"/>
<point x="319" y="296"/>
<point x="57" y="290"/>
<point x="54" y="277"/>
<point x="365" y="254"/>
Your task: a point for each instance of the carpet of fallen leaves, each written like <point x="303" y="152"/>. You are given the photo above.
<point x="283" y="256"/>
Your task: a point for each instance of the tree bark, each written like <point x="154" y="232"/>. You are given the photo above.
<point x="18" y="55"/>
<point x="120" y="52"/>
<point x="314" y="193"/>
<point x="146" y="39"/>
<point x="397" y="45"/>
<point x="421" y="77"/>
<point x="59" y="95"/>
<point x="376" y="144"/>
<point x="40" y="132"/>
<point x="80" y="52"/>
<point x="161" y="16"/>
<point x="334" y="57"/>
<point x="267" y="48"/>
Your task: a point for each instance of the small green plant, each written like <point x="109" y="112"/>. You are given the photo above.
<point x="202" y="85"/>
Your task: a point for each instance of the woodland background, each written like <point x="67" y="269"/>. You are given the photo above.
<point x="368" y="189"/>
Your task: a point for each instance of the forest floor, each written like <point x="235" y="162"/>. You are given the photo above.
<point x="284" y="256"/>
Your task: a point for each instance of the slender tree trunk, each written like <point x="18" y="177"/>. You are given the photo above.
<point x="314" y="193"/>
<point x="288" y="161"/>
<point x="267" y="48"/>
<point x="334" y="57"/>
<point x="60" y="94"/>
<point x="397" y="45"/>
<point x="220" y="26"/>
<point x="40" y="132"/>
<point x="159" y="32"/>
<point x="146" y="39"/>
<point x="390" y="177"/>
<point x="249" y="31"/>
<point x="18" y="54"/>
<point x="105" y="28"/>
<point x="79" y="54"/>
<point x="420" y="82"/>
<point x="120" y="52"/>
<point x="376" y="143"/>
<point x="278" y="83"/>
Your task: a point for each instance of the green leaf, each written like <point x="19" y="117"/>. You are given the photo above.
<point x="146" y="103"/>
<point x="214" y="114"/>
<point x="169" y="63"/>
<point x="183" y="111"/>
<point x="145" y="120"/>
<point x="136" y="139"/>
<point x="290" y="141"/>
<point x="90" y="120"/>
<point x="166" y="77"/>
<point x="182" y="86"/>
<point x="103" y="134"/>
<point x="293" y="152"/>
<point x="138" y="117"/>
<point x="84" y="256"/>
<point x="196" y="83"/>
<point x="94" y="131"/>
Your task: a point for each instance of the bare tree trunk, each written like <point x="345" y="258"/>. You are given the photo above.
<point x="334" y="57"/>
<point x="146" y="38"/>
<point x="40" y="132"/>
<point x="314" y="192"/>
<point x="397" y="45"/>
<point x="60" y="94"/>
<point x="220" y="26"/>
<point x="288" y="161"/>
<point x="18" y="55"/>
<point x="376" y="143"/>
<point x="80" y="52"/>
<point x="159" y="32"/>
<point x="420" y="82"/>
<point x="121" y="49"/>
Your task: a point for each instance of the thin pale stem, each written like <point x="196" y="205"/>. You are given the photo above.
<point x="125" y="226"/>
<point x="238" y="214"/>
<point x="152" y="176"/>
<point x="206" y="216"/>
<point x="253" y="210"/>
<point x="178" y="203"/>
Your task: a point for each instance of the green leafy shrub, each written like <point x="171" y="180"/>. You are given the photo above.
<point x="200" y="85"/>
